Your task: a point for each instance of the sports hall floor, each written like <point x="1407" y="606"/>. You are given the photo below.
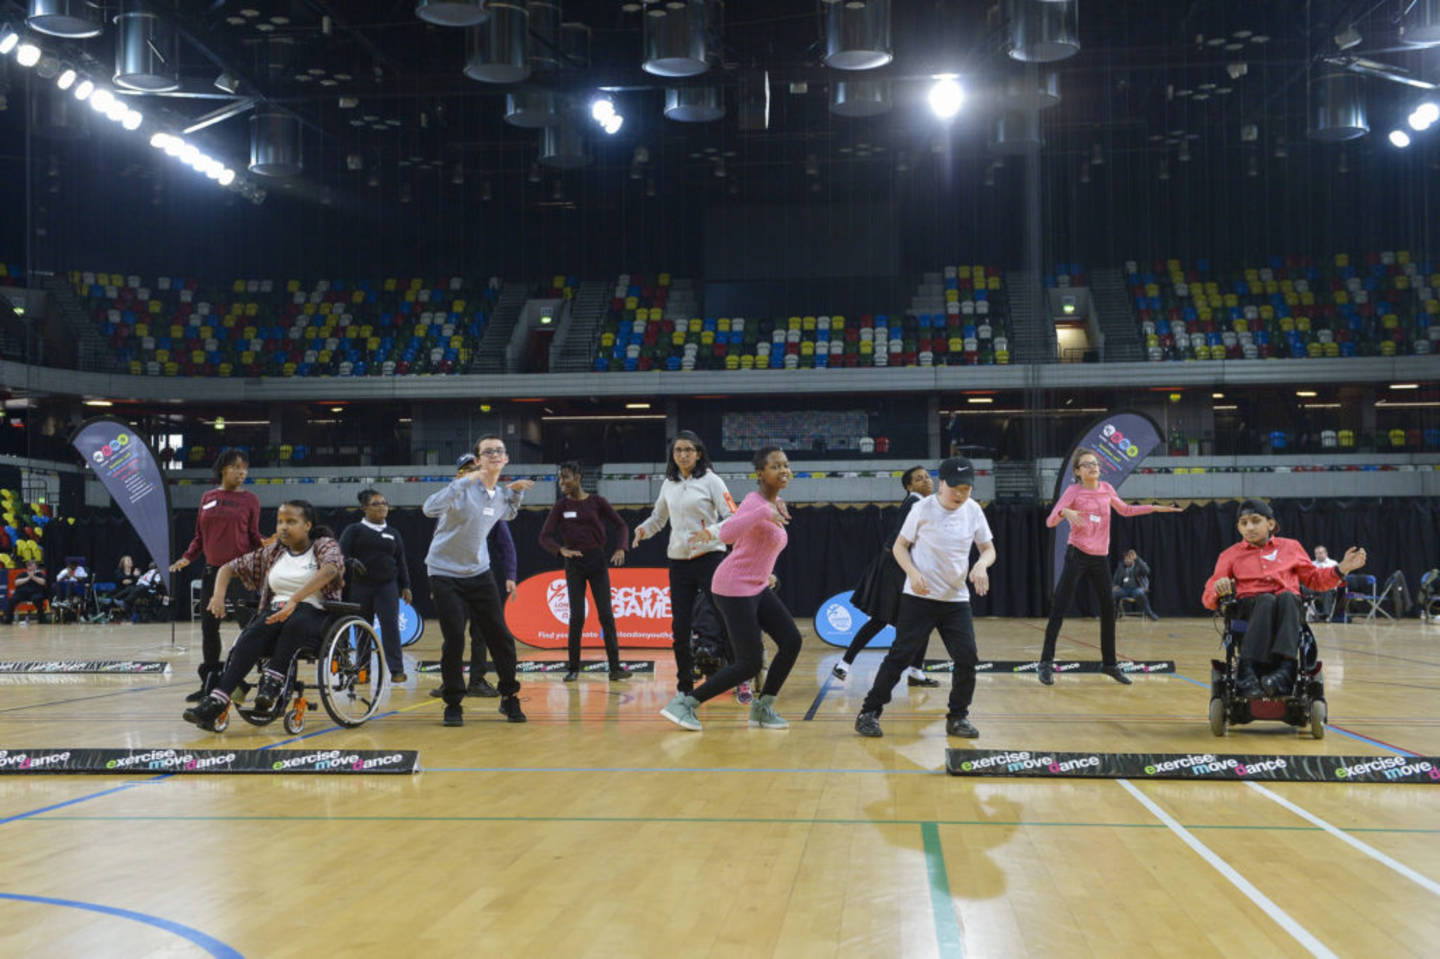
<point x="599" y="829"/>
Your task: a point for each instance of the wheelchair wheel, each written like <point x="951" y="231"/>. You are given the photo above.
<point x="351" y="671"/>
<point x="1318" y="714"/>
<point x="295" y="720"/>
<point x="222" y="722"/>
<point x="1217" y="717"/>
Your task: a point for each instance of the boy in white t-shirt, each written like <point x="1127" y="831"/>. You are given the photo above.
<point x="933" y="548"/>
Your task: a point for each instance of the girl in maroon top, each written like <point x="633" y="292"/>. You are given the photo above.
<point x="228" y="525"/>
<point x="579" y="518"/>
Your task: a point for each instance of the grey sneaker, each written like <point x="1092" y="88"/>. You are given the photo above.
<point x="1045" y="672"/>
<point x="681" y="712"/>
<point x="763" y="715"/>
<point x="868" y="724"/>
<point x="960" y="727"/>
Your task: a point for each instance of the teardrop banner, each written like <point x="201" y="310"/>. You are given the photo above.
<point x="126" y="467"/>
<point x="538" y="612"/>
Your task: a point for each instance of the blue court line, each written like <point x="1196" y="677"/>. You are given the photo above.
<point x="82" y="699"/>
<point x="210" y="944"/>
<point x="947" y="924"/>
<point x="819" y="697"/>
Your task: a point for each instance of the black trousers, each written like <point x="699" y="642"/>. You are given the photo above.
<point x="746" y="617"/>
<point x="382" y="600"/>
<point x="1135" y="593"/>
<point x="869" y="631"/>
<point x="918" y="616"/>
<point x="1273" y="626"/>
<point x="472" y="598"/>
<point x="24" y="593"/>
<point x="279" y="641"/>
<point x="478" y="665"/>
<point x="1095" y="569"/>
<point x="689" y="578"/>
<point x="209" y="625"/>
<point x="591" y="568"/>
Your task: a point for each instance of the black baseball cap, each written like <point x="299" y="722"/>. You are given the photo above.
<point x="957" y="471"/>
<point x="467" y="460"/>
<point x="1256" y="506"/>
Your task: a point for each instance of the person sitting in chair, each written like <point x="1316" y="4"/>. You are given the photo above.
<point x="1132" y="581"/>
<point x="1264" y="573"/>
<point x="30" y="587"/>
<point x="70" y="581"/>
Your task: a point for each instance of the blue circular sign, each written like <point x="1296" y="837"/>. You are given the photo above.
<point x="412" y="627"/>
<point x="837" y="622"/>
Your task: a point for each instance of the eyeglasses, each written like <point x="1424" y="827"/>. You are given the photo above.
<point x="493" y="451"/>
<point x="1089" y="465"/>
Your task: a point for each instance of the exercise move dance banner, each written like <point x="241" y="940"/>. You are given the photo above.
<point x="1122" y="439"/>
<point x="532" y="666"/>
<point x="1224" y="766"/>
<point x="538" y="612"/>
<point x="1061" y="666"/>
<point x="127" y="666"/>
<point x="329" y="761"/>
<point x="126" y="467"/>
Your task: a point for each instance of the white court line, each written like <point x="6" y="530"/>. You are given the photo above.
<point x="1404" y="870"/>
<point x="1301" y="935"/>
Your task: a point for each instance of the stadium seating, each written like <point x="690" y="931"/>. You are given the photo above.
<point x="1378" y="304"/>
<point x="184" y="327"/>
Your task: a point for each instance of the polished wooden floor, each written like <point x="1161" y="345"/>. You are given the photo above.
<point x="599" y="829"/>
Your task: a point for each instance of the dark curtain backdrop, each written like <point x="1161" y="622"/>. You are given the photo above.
<point x="830" y="546"/>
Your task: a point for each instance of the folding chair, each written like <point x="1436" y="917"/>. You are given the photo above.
<point x="1362" y="592"/>
<point x="1394" y="590"/>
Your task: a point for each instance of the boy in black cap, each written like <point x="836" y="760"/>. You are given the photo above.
<point x="933" y="548"/>
<point x="1264" y="572"/>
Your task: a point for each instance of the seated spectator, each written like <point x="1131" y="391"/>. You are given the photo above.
<point x="70" y="582"/>
<point x="30" y="587"/>
<point x="1132" y="581"/>
<point x="126" y="576"/>
<point x="1320" y="605"/>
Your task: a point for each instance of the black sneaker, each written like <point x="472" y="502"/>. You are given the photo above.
<point x="1117" y="674"/>
<point x="619" y="672"/>
<point x="480" y="687"/>
<point x="1045" y="672"/>
<point x="454" y="715"/>
<point x="205" y="712"/>
<point x="268" y="692"/>
<point x="209" y="675"/>
<point x="922" y="681"/>
<point x="438" y="692"/>
<point x="960" y="727"/>
<point x="868" y="724"/>
<point x="510" y="709"/>
<point x="571" y="675"/>
<point x="398" y="677"/>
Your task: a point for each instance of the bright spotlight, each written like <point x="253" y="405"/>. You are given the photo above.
<point x="132" y="119"/>
<point x="946" y="97"/>
<point x="159" y="139"/>
<point x="173" y="146"/>
<point x="8" y="39"/>
<point x="101" y="99"/>
<point x="27" y="54"/>
<point x="117" y="109"/>
<point x="226" y="177"/>
<point x="602" y="108"/>
<point x="1399" y="139"/>
<point x="84" y="88"/>
<point x="611" y="124"/>
<point x="213" y="168"/>
<point x="188" y="153"/>
<point x="1425" y="114"/>
<point x="66" y="79"/>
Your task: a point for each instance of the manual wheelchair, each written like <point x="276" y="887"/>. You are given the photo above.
<point x="1304" y="705"/>
<point x="350" y="674"/>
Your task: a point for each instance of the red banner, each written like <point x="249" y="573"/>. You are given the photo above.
<point x="539" y="611"/>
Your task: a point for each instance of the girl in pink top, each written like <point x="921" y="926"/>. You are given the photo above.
<point x="742" y="595"/>
<point x="1086" y="503"/>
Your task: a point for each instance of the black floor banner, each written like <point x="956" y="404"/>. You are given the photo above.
<point x="1213" y="766"/>
<point x="122" y="761"/>
<point x="1061" y="666"/>
<point x="85" y="666"/>
<point x="556" y="666"/>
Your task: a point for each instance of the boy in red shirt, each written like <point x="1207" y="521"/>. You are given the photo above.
<point x="1264" y="572"/>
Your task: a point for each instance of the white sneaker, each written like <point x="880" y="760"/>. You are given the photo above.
<point x="912" y="673"/>
<point x="841" y="670"/>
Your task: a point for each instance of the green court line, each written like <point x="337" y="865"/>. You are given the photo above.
<point x="947" y="924"/>
<point x="1007" y="823"/>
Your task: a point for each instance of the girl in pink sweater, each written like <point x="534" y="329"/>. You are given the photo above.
<point x="742" y="594"/>
<point x="1086" y="503"/>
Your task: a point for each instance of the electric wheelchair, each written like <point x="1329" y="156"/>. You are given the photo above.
<point x="1304" y="705"/>
<point x="350" y="675"/>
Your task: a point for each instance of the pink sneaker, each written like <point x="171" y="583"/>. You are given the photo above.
<point x="744" y="695"/>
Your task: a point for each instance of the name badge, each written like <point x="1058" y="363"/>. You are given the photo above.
<point x="1094" y="518"/>
<point x="569" y="514"/>
<point x="488" y="511"/>
<point x="211" y="505"/>
<point x="386" y="536"/>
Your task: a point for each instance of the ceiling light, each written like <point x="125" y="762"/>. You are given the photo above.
<point x="946" y="97"/>
<point x="101" y="99"/>
<point x="1399" y="139"/>
<point x="226" y="177"/>
<point x="612" y="123"/>
<point x="228" y="82"/>
<point x="66" y="80"/>
<point x="1347" y="38"/>
<point x="159" y="139"/>
<point x="116" y="110"/>
<point x="1404" y="386"/>
<point x="100" y="403"/>
<point x="1217" y="396"/>
<point x="27" y="54"/>
<point x="979" y="399"/>
<point x="1306" y="394"/>
<point x="637" y="406"/>
<point x="1425" y="114"/>
<point x="132" y="119"/>
<point x="8" y="39"/>
<point x="84" y="88"/>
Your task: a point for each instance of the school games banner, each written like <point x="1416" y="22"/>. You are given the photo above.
<point x="1423" y="770"/>
<point x="123" y="761"/>
<point x="538" y="612"/>
<point x="1122" y="440"/>
<point x="127" y="468"/>
<point x="837" y="621"/>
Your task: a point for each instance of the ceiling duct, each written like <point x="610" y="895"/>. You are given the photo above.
<point x="753" y="108"/>
<point x="1041" y="31"/>
<point x="1337" y="108"/>
<point x="1017" y="133"/>
<point x="147" y="52"/>
<point x="861" y="97"/>
<point x="274" y="144"/>
<point x="1421" y="26"/>
<point x="857" y="33"/>
<point x="679" y="35"/>
<point x="694" y="104"/>
<point x="497" y="51"/>
<point x="562" y="146"/>
<point x="575" y="45"/>
<point x="452" y="13"/>
<point x="1030" y="90"/>
<point x="531" y="109"/>
<point x="72" y="19"/>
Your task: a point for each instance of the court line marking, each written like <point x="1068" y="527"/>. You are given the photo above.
<point x="69" y="802"/>
<point x="1424" y="882"/>
<point x="942" y="906"/>
<point x="1298" y="932"/>
<point x="209" y="943"/>
<point x="82" y="699"/>
<point x="819" y="698"/>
